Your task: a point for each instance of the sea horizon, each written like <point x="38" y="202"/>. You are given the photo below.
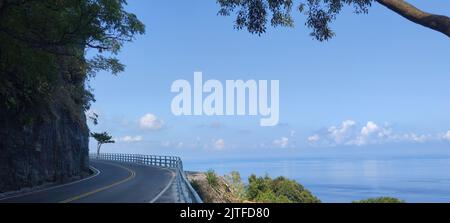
<point x="344" y="179"/>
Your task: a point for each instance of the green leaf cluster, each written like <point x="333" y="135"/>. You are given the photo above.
<point x="254" y="15"/>
<point x="44" y="46"/>
<point x="278" y="190"/>
<point x="102" y="137"/>
<point x="380" y="200"/>
<point x="211" y="178"/>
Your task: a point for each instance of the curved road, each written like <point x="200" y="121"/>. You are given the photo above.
<point x="112" y="182"/>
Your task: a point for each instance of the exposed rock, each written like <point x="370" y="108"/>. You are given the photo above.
<point x="52" y="148"/>
<point x="220" y="193"/>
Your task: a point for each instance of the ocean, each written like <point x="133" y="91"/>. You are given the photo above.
<point x="345" y="179"/>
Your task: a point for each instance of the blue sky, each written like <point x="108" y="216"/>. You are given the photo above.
<point x="381" y="85"/>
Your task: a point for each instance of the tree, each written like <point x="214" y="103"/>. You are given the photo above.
<point x="102" y="138"/>
<point x="380" y="200"/>
<point x="36" y="36"/>
<point x="253" y="14"/>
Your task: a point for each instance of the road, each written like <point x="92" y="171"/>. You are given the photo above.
<point x="112" y="182"/>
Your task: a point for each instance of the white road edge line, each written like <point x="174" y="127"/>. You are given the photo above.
<point x="166" y="188"/>
<point x="97" y="172"/>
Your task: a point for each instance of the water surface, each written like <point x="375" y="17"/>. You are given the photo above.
<point x="413" y="179"/>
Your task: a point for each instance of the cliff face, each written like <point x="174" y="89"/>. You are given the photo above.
<point x="44" y="92"/>
<point x="53" y="151"/>
<point x="52" y="147"/>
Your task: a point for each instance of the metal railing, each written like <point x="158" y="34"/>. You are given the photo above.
<point x="186" y="191"/>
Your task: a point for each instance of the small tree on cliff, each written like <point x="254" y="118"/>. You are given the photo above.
<point x="102" y="138"/>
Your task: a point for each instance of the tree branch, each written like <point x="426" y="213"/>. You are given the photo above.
<point x="439" y="23"/>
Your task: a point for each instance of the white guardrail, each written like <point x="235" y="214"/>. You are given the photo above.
<point x="184" y="188"/>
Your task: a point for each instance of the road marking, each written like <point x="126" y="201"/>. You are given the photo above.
<point x="132" y="175"/>
<point x="166" y="188"/>
<point x="97" y="172"/>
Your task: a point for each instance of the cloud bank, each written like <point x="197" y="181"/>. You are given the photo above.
<point x="128" y="139"/>
<point x="349" y="133"/>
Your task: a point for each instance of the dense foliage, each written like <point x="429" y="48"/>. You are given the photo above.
<point x="380" y="200"/>
<point x="102" y="138"/>
<point x="44" y="43"/>
<point x="236" y="184"/>
<point x="212" y="178"/>
<point x="268" y="190"/>
<point x="254" y="14"/>
<point x="278" y="190"/>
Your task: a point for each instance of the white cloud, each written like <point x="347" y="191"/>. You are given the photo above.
<point x="219" y="144"/>
<point x="418" y="138"/>
<point x="283" y="142"/>
<point x="343" y="132"/>
<point x="348" y="133"/>
<point x="371" y="133"/>
<point x="292" y="133"/>
<point x="151" y="122"/>
<point x="313" y="138"/>
<point x="446" y="136"/>
<point x="370" y="128"/>
<point x="166" y="143"/>
<point x="173" y="144"/>
<point x="129" y="139"/>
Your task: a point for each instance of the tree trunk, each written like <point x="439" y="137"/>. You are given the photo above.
<point x="98" y="149"/>
<point x="439" y="23"/>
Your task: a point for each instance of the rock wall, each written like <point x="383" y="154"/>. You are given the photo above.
<point x="53" y="151"/>
<point x="52" y="148"/>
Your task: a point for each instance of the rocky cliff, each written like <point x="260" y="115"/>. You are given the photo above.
<point x="53" y="151"/>
<point x="44" y="83"/>
<point x="53" y="145"/>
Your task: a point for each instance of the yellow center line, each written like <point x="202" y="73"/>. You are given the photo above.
<point x="132" y="175"/>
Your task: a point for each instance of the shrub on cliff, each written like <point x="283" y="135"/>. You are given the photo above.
<point x="278" y="190"/>
<point x="212" y="178"/>
<point x="380" y="200"/>
<point x="236" y="185"/>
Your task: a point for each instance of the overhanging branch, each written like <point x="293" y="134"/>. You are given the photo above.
<point x="439" y="23"/>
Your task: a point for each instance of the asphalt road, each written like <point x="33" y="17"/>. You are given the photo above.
<point x="112" y="182"/>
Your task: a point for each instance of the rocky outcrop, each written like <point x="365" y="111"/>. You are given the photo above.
<point x="44" y="70"/>
<point x="52" y="147"/>
<point x="53" y="151"/>
<point x="219" y="193"/>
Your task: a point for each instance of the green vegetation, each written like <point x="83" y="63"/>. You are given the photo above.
<point x="265" y="189"/>
<point x="236" y="184"/>
<point x="256" y="14"/>
<point x="278" y="190"/>
<point x="212" y="178"/>
<point x="102" y="138"/>
<point x="380" y="200"/>
<point x="268" y="190"/>
<point x="43" y="47"/>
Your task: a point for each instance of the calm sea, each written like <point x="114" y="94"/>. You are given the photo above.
<point x="420" y="179"/>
